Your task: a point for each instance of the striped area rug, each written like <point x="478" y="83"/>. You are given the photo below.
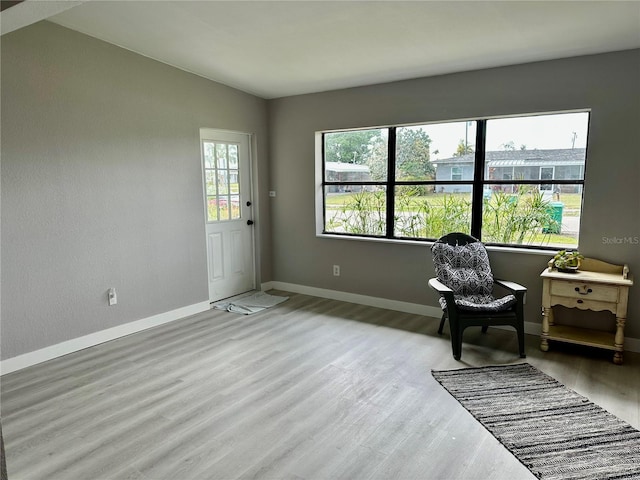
<point x="553" y="431"/>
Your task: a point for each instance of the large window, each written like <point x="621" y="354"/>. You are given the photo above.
<point x="508" y="181"/>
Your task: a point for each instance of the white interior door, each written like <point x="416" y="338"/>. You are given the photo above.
<point x="227" y="186"/>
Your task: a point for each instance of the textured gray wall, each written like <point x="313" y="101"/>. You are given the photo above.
<point x="101" y="184"/>
<point x="608" y="84"/>
<point x="101" y="179"/>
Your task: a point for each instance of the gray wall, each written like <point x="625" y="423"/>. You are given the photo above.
<point x="101" y="184"/>
<point x="608" y="84"/>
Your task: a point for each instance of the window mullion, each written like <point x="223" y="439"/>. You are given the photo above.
<point x="391" y="181"/>
<point x="478" y="179"/>
<point x="546" y="184"/>
<point x="324" y="188"/>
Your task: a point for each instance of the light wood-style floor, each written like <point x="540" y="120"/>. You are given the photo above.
<point x="310" y="389"/>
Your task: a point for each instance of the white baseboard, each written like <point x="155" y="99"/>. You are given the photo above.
<point x="632" y="344"/>
<point x="48" y="353"/>
<point x="396" y="305"/>
<point x="530" y="328"/>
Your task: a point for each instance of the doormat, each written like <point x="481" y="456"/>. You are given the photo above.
<point x="250" y="304"/>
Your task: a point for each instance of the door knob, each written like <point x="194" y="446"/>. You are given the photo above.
<point x="248" y="204"/>
<point x="249" y="222"/>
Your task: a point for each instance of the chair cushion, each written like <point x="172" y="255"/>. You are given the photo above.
<point x="464" y="269"/>
<point x="481" y="303"/>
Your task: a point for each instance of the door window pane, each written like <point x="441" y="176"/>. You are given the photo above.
<point x="222" y="181"/>
<point x="233" y="156"/>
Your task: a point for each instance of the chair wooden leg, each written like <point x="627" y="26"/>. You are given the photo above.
<point x="520" y="330"/>
<point x="457" y="346"/>
<point x="444" y="317"/>
<point x="456" y="337"/>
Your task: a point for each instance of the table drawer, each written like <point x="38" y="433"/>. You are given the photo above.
<point x="585" y="290"/>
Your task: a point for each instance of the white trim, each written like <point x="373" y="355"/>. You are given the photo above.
<point x="320" y="208"/>
<point x="231" y="136"/>
<point x="428" y="243"/>
<point x="255" y="208"/>
<point x="27" y="13"/>
<point x="530" y="328"/>
<point x="319" y="192"/>
<point x="48" y="353"/>
<point x="267" y="286"/>
<point x="389" y="304"/>
<point x="632" y="344"/>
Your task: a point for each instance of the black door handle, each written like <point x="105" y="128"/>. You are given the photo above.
<point x="249" y="222"/>
<point x="248" y="204"/>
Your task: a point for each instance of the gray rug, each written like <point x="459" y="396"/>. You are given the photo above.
<point x="553" y="431"/>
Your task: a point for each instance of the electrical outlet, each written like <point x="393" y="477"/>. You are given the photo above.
<point x="113" y="298"/>
<point x="336" y="270"/>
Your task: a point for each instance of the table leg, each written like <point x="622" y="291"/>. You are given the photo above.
<point x="547" y="321"/>
<point x="619" y="340"/>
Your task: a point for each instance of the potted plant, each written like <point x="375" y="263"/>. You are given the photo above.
<point x="567" y="261"/>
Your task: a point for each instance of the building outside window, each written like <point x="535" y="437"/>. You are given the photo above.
<point x="514" y="181"/>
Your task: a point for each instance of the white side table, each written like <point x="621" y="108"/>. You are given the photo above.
<point x="596" y="286"/>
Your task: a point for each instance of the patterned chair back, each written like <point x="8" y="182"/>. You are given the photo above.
<point x="463" y="267"/>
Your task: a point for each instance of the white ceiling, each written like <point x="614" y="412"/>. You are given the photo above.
<point x="280" y="48"/>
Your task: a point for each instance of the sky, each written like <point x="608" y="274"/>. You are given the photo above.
<point x="541" y="132"/>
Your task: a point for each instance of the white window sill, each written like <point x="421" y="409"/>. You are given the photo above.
<point x="428" y="244"/>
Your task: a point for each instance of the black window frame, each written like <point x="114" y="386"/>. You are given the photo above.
<point x="478" y="184"/>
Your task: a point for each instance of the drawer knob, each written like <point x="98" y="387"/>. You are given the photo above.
<point x="580" y="300"/>
<point x="577" y="289"/>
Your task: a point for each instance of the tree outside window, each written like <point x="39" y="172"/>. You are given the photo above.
<point x="508" y="181"/>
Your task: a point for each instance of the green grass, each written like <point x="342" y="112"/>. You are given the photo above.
<point x="552" y="240"/>
<point x="446" y="211"/>
<point x="572" y="201"/>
